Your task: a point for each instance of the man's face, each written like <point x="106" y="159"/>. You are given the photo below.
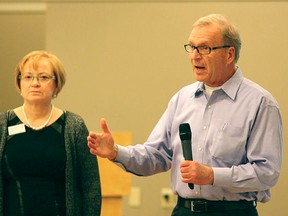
<point x="211" y="69"/>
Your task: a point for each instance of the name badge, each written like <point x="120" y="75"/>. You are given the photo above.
<point x="16" y="129"/>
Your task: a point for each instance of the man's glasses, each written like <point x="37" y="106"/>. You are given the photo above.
<point x="40" y="78"/>
<point x="203" y="50"/>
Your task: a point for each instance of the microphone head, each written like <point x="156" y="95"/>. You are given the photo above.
<point x="185" y="131"/>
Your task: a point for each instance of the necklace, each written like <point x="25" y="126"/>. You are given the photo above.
<point x="42" y="126"/>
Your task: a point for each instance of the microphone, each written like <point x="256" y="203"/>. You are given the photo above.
<point x="185" y="136"/>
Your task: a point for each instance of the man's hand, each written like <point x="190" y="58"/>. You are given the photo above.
<point x="196" y="173"/>
<point x="102" y="144"/>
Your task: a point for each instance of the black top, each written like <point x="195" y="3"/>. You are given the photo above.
<point x="34" y="171"/>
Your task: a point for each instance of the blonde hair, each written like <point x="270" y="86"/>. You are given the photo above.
<point x="35" y="56"/>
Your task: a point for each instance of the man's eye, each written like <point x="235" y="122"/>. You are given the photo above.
<point x="204" y="48"/>
<point x="28" y="77"/>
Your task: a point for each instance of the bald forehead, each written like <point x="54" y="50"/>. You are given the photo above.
<point x="209" y="34"/>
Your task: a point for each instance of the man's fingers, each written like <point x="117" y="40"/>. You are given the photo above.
<point x="92" y="137"/>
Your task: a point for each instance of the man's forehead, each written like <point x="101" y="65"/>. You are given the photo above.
<point x="206" y="34"/>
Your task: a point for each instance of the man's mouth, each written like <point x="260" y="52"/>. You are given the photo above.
<point x="199" y="67"/>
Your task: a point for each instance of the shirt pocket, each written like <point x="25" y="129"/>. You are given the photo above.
<point x="229" y="144"/>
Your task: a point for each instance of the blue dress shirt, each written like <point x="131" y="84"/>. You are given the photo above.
<point x="237" y="131"/>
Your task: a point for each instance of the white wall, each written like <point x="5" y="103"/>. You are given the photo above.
<point x="125" y="60"/>
<point x="22" y="29"/>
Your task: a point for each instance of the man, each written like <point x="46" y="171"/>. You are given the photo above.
<point x="236" y="132"/>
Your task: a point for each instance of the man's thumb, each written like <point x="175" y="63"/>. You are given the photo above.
<point x="104" y="126"/>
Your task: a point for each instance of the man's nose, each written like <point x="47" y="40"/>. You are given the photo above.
<point x="195" y="54"/>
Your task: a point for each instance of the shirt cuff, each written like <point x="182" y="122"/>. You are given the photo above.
<point x="222" y="177"/>
<point x="123" y="155"/>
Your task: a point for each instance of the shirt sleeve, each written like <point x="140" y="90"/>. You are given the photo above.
<point x="152" y="157"/>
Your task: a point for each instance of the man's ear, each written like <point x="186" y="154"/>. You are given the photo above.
<point x="231" y="54"/>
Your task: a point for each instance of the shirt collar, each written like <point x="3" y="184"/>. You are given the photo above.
<point x="200" y="89"/>
<point x="230" y="87"/>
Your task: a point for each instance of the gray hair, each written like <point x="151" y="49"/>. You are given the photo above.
<point x="230" y="33"/>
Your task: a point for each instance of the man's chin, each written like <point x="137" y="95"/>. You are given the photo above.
<point x="200" y="77"/>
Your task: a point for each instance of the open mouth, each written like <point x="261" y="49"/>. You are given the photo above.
<point x="199" y="67"/>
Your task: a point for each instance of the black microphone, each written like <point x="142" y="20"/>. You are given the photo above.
<point x="185" y="136"/>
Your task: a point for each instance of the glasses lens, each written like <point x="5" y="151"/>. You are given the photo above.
<point x="44" y="78"/>
<point x="188" y="48"/>
<point x="27" y="78"/>
<point x="41" y="78"/>
<point x="204" y="50"/>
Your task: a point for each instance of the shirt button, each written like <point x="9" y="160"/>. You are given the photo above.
<point x="200" y="149"/>
<point x="204" y="127"/>
<point x="197" y="193"/>
<point x="209" y="106"/>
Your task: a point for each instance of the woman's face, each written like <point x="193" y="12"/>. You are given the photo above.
<point x="35" y="90"/>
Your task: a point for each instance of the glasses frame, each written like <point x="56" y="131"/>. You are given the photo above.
<point x="40" y="78"/>
<point x="206" y="47"/>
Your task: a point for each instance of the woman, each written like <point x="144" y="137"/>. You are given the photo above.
<point x="46" y="168"/>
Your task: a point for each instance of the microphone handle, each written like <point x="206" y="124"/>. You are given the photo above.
<point x="191" y="186"/>
<point x="187" y="151"/>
